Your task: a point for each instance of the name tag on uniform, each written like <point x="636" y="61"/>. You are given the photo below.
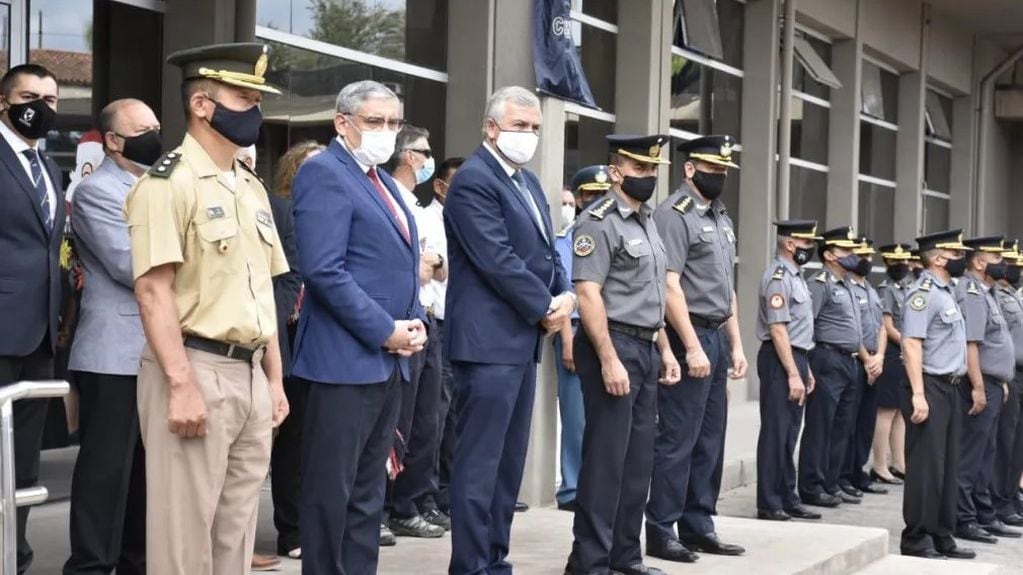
<point x="951" y="312"/>
<point x="708" y="228"/>
<point x="838" y="293"/>
<point x="263" y="217"/>
<point x="215" y="212"/>
<point x="730" y="235"/>
<point x="635" y="242"/>
<point x="863" y="301"/>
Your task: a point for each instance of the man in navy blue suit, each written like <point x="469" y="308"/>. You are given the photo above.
<point x="506" y="290"/>
<point x="360" y="320"/>
<point x="31" y="223"/>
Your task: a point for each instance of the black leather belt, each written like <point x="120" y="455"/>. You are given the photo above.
<point x="837" y="349"/>
<point x="795" y="349"/>
<point x="228" y="350"/>
<point x="643" y="333"/>
<point x="706" y="323"/>
<point x="947" y="378"/>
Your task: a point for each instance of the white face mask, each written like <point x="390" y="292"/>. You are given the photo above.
<point x="376" y="148"/>
<point x="518" y="147"/>
<point x="567" y="215"/>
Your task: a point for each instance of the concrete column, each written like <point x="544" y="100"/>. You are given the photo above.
<point x="470" y="56"/>
<point x="963" y="132"/>
<point x="759" y="140"/>
<point x="844" y="134"/>
<point x="909" y="152"/>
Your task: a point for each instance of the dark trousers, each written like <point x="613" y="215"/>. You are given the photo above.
<point x="29" y="420"/>
<point x="108" y="488"/>
<point x="421" y="425"/>
<point x="976" y="465"/>
<point x="818" y="466"/>
<point x="780" y="420"/>
<point x="286" y="467"/>
<point x="441" y="499"/>
<point x="932" y="463"/>
<point x="348" y="433"/>
<point x="617" y="456"/>
<point x="495" y="406"/>
<point x="690" y="437"/>
<point x="858" y="451"/>
<point x="1009" y="451"/>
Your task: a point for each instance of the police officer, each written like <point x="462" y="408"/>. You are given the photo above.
<point x="588" y="183"/>
<point x="621" y="354"/>
<point x="785" y="328"/>
<point x="934" y="351"/>
<point x="1009" y="441"/>
<point x="854" y="480"/>
<point x="704" y="328"/>
<point x="838" y="335"/>
<point x="889" y="429"/>
<point x="990" y="366"/>
<point x="204" y="248"/>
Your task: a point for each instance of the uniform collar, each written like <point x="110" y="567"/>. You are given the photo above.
<point x="971" y="275"/>
<point x="937" y="281"/>
<point x="716" y="205"/>
<point x="624" y="209"/>
<point x="789" y="265"/>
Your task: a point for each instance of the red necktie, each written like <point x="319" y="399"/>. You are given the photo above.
<point x="386" y="197"/>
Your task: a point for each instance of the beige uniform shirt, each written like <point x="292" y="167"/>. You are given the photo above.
<point x="221" y="239"/>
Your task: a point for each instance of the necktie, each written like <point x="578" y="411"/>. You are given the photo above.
<point x="39" y="183"/>
<point x="520" y="183"/>
<point x="386" y="197"/>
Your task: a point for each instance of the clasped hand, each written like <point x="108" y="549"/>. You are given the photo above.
<point x="408" y="337"/>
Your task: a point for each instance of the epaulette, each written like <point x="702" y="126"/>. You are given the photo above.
<point x="822" y="277"/>
<point x="249" y="170"/>
<point x="972" y="288"/>
<point x="779" y="273"/>
<point x="600" y="211"/>
<point x="563" y="233"/>
<point x="926" y="284"/>
<point x="165" y="165"/>
<point x="683" y="205"/>
<point x="884" y="284"/>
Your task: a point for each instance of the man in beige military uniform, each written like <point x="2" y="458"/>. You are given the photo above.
<point x="204" y="248"/>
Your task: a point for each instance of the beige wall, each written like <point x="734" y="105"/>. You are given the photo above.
<point x="951" y="50"/>
<point x="891" y="31"/>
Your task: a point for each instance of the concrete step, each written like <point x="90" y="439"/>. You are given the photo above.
<point x="899" y="565"/>
<point x="741" y="443"/>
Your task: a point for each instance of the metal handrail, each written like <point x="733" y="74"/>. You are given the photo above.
<point x="10" y="498"/>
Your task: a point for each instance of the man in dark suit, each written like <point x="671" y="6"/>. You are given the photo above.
<point x="360" y="320"/>
<point x="31" y="223"/>
<point x="506" y="289"/>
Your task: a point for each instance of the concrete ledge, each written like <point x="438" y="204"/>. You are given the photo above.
<point x="741" y="444"/>
<point x="899" y="565"/>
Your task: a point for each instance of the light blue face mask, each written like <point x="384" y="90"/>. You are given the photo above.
<point x="426" y="172"/>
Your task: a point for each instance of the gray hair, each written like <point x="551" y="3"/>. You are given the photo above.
<point x="408" y="136"/>
<point x="516" y="95"/>
<point x="354" y="95"/>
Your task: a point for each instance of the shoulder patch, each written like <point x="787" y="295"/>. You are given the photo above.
<point x="779" y="273"/>
<point x="583" y="245"/>
<point x="246" y="167"/>
<point x="598" y="212"/>
<point x="165" y="165"/>
<point x="777" y="301"/>
<point x="683" y="205"/>
<point x="822" y="277"/>
<point x="926" y="284"/>
<point x="972" y="288"/>
<point x="918" y="302"/>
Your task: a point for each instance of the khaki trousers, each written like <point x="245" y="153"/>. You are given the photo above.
<point x="202" y="494"/>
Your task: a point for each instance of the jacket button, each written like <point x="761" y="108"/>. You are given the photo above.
<point x="547" y="257"/>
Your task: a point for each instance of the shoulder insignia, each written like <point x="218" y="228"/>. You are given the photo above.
<point x="779" y="273"/>
<point x="165" y="165"/>
<point x="683" y="205"/>
<point x="600" y="211"/>
<point x="583" y="245"/>
<point x="926" y="284"/>
<point x="884" y="284"/>
<point x="246" y="167"/>
<point x="822" y="277"/>
<point x="777" y="301"/>
<point x="972" y="289"/>
<point x="918" y="302"/>
<point x="563" y="233"/>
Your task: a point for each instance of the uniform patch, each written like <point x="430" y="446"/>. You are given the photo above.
<point x="165" y="165"/>
<point x="777" y="301"/>
<point x="972" y="289"/>
<point x="926" y="284"/>
<point x="600" y="211"/>
<point x="214" y="212"/>
<point x="778" y="273"/>
<point x="822" y="277"/>
<point x="264" y="217"/>
<point x="583" y="246"/>
<point x="682" y="206"/>
<point x="918" y="302"/>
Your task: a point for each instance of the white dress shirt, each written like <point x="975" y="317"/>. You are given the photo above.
<point x="430" y="221"/>
<point x="365" y="169"/>
<point x="508" y="169"/>
<point x="19" y="146"/>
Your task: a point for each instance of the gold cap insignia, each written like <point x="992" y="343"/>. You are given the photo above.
<point x="851" y="235"/>
<point x="898" y="250"/>
<point x="960" y="240"/>
<point x="601" y="177"/>
<point x="261" y="64"/>
<point x="655" y="150"/>
<point x="726" y="150"/>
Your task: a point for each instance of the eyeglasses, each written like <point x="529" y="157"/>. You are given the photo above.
<point x="427" y="153"/>
<point x="376" y="123"/>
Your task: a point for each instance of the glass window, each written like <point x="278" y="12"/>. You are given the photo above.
<point x="60" y="39"/>
<point x="413" y="31"/>
<point x="809" y="131"/>
<point x="812" y="63"/>
<point x="877" y="213"/>
<point x="585" y="144"/>
<point x="730" y="196"/>
<point x="5" y="35"/>
<point x="939" y="116"/>
<point x="732" y="18"/>
<point x="935" y="214"/>
<point x="704" y="100"/>
<point x="598" y="53"/>
<point x="937" y="168"/>
<point x="606" y="10"/>
<point x="880" y="93"/>
<point x="309" y="83"/>
<point x="877" y="151"/>
<point x="808" y="195"/>
<point x="696" y="27"/>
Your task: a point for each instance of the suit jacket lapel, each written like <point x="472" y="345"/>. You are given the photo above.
<point x="8" y="157"/>
<point x="498" y="170"/>
<point x="359" y="176"/>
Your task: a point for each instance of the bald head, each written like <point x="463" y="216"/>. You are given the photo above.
<point x="123" y="119"/>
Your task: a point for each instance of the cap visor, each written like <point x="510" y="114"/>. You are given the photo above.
<point x="714" y="160"/>
<point x="242" y="84"/>
<point x="843" y="244"/>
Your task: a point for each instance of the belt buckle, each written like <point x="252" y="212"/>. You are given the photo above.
<point x="230" y="351"/>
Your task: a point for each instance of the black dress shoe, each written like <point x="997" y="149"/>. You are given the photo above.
<point x="1000" y="529"/>
<point x="569" y="506"/>
<point x="521" y="506"/>
<point x="846" y="498"/>
<point x="958" y="553"/>
<point x="923" y="554"/>
<point x="973" y="532"/>
<point x="821" y="500"/>
<point x="800" y="512"/>
<point x="773" y="515"/>
<point x="710" y="543"/>
<point x="638" y="569"/>
<point x="896" y="473"/>
<point x="670" y="550"/>
<point x="874" y="489"/>
<point x="890" y="480"/>
<point x="851" y="491"/>
<point x="1015" y="519"/>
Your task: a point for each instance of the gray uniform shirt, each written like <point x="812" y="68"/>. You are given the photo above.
<point x="701" y="249"/>
<point x="620" y="249"/>
<point x="784" y="298"/>
<point x="893" y="298"/>
<point x="986" y="327"/>
<point x="836" y="314"/>
<point x="1012" y="310"/>
<point x="871" y="316"/>
<point x="932" y="314"/>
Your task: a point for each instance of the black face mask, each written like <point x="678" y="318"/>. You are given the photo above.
<point x="639" y="189"/>
<point x="956" y="268"/>
<point x="143" y="149"/>
<point x="863" y="268"/>
<point x="997" y="271"/>
<point x="802" y="256"/>
<point x="241" y="128"/>
<point x="709" y="185"/>
<point x="849" y="263"/>
<point x="1012" y="275"/>
<point x="917" y="272"/>
<point x="33" y="120"/>
<point x="898" y="272"/>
